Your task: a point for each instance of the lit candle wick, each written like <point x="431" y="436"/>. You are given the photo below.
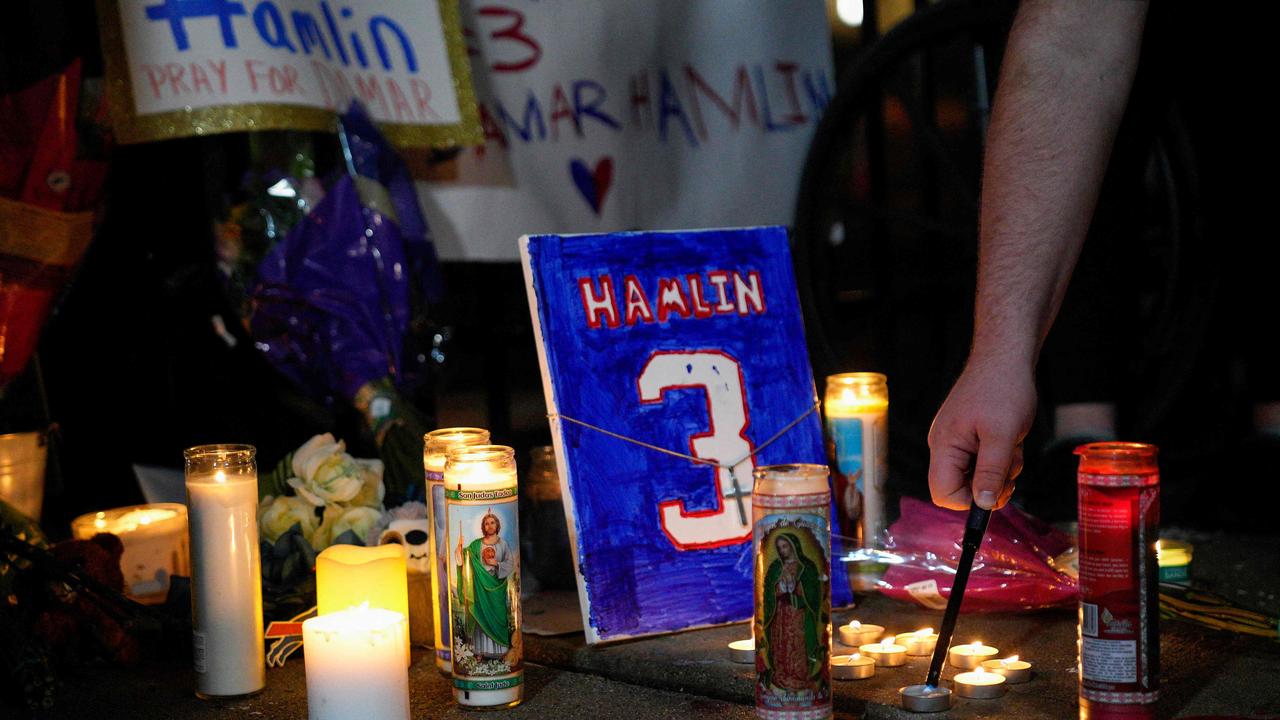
<point x="977" y="644"/>
<point x="220" y="476"/>
<point x="855" y="656"/>
<point x="855" y="625"/>
<point x="1009" y="660"/>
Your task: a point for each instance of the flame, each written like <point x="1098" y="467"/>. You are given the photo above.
<point x="220" y="476"/>
<point x="924" y="632"/>
<point x="1010" y="660"/>
<point x="855" y="625"/>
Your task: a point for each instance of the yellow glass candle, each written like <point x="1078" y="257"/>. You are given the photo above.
<point x="351" y="575"/>
<point x="226" y="573"/>
<point x="353" y="665"/>
<point x="155" y="545"/>
<point x="435" y="448"/>
<point x="484" y="576"/>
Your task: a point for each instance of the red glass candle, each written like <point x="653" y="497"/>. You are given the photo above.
<point x="1119" y="491"/>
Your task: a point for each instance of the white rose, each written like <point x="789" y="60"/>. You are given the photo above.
<point x="325" y="472"/>
<point x="277" y="515"/>
<point x="338" y="520"/>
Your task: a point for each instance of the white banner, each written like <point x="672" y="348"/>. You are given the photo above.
<point x="604" y="115"/>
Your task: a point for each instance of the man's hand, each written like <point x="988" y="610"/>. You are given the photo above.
<point x="977" y="434"/>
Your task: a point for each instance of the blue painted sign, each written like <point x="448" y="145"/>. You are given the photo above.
<point x="674" y="363"/>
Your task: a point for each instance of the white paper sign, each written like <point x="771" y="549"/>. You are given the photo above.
<point x="283" y="63"/>
<point x="605" y="115"/>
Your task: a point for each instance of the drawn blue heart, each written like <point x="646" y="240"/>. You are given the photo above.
<point x="593" y="184"/>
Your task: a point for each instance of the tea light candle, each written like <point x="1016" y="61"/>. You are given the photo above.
<point x="886" y="653"/>
<point x="920" y="642"/>
<point x="1014" y="670"/>
<point x="979" y="684"/>
<point x="155" y="545"/>
<point x="743" y="651"/>
<point x="1174" y="560"/>
<point x="354" y="665"/>
<point x="352" y="575"/>
<point x="968" y="657"/>
<point x="852" y="667"/>
<point x="226" y="574"/>
<point x="855" y="634"/>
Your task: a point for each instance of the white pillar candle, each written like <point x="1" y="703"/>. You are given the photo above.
<point x="226" y="579"/>
<point x="969" y="657"/>
<point x="155" y="545"/>
<point x="355" y="665"/>
<point x="484" y="576"/>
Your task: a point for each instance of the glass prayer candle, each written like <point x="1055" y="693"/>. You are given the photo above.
<point x="226" y="577"/>
<point x="435" y="448"/>
<point x="1119" y="629"/>
<point x="791" y="506"/>
<point x="352" y="575"/>
<point x="155" y="545"/>
<point x="484" y="576"/>
<point x="856" y="406"/>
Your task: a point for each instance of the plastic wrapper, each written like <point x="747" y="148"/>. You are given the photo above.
<point x="1020" y="566"/>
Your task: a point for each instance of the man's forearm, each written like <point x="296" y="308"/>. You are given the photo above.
<point x="1068" y="69"/>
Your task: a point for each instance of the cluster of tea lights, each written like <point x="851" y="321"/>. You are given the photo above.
<point x="983" y="676"/>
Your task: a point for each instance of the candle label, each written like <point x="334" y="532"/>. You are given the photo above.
<point x="440" y="569"/>
<point x="860" y="456"/>
<point x="1119" y="643"/>
<point x="793" y="607"/>
<point x="484" y="589"/>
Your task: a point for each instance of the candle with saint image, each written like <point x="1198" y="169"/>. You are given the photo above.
<point x="354" y="665"/>
<point x="226" y="578"/>
<point x="435" y="449"/>
<point x="791" y="547"/>
<point x="155" y="545"/>
<point x="484" y="576"/>
<point x="857" y="410"/>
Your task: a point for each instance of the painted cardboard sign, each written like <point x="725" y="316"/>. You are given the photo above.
<point x="192" y="67"/>
<point x="584" y="102"/>
<point x="673" y="364"/>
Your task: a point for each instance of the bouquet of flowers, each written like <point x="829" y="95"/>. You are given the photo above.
<point x="317" y="496"/>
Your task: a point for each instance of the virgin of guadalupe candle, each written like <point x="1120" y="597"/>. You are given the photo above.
<point x="353" y="575"/>
<point x="155" y="545"/>
<point x="435" y="448"/>
<point x="484" y="576"/>
<point x="857" y="411"/>
<point x="226" y="578"/>
<point x="791" y="505"/>
<point x="354" y="665"/>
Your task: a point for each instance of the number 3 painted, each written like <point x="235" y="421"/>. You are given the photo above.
<point x="721" y="377"/>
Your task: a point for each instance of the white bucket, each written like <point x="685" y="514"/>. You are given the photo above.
<point x="22" y="458"/>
